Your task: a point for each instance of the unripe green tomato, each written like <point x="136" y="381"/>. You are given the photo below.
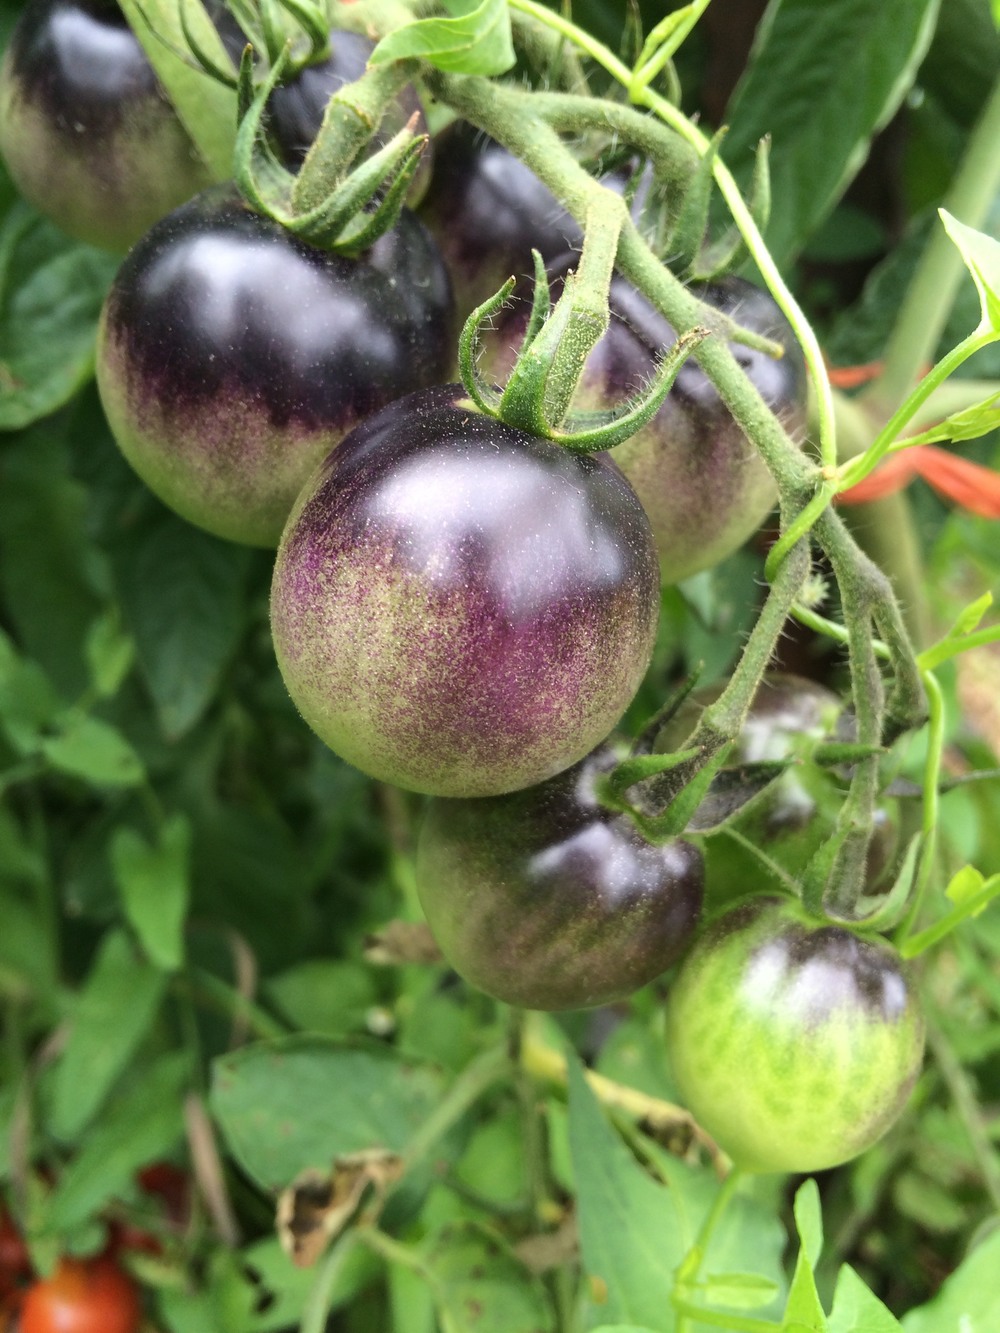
<point x="794" y="1043"/>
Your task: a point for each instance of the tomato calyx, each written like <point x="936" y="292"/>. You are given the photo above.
<point x="330" y="202"/>
<point x="538" y="395"/>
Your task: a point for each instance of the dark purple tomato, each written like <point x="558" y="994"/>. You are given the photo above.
<point x="546" y="900"/>
<point x="700" y="480"/>
<point x="487" y="211"/>
<point x="296" y="108"/>
<point x="795" y="1043"/>
<point x="797" y="813"/>
<point x="85" y="128"/>
<point x="232" y="357"/>
<point x="460" y="608"/>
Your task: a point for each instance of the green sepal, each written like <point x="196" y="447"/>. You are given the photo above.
<point x="352" y="116"/>
<point x="591" y="432"/>
<point x="259" y="176"/>
<point x="314" y="22"/>
<point x="485" y="398"/>
<point x="363" y="229"/>
<point x="889" y="909"/>
<point x="224" y="74"/>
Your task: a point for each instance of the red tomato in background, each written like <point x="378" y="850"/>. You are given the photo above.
<point x="82" y="1296"/>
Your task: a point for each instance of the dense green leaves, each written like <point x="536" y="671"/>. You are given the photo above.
<point x="51" y="290"/>
<point x="821" y="80"/>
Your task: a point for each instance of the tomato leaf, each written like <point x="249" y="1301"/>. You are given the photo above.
<point x="822" y="79"/>
<point x="968" y="1299"/>
<point x="475" y="40"/>
<point x="93" y="750"/>
<point x="804" y="1310"/>
<point x="301" y="1101"/>
<point x="856" y="1309"/>
<point x="140" y="1125"/>
<point x="183" y="597"/>
<point x="113" y="1013"/>
<point x="630" y="1231"/>
<point x="51" y="291"/>
<point x="472" y="1269"/>
<point x="153" y="883"/>
<point x="110" y="654"/>
<point x="981" y="256"/>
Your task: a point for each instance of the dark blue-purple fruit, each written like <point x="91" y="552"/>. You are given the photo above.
<point x="544" y="899"/>
<point x="87" y="132"/>
<point x="460" y="608"/>
<point x="232" y="356"/>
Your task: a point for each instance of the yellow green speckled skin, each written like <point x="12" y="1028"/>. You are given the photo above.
<point x="794" y="1044"/>
<point x="459" y="608"/>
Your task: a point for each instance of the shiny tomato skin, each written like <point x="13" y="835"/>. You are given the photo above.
<point x="83" y="1296"/>
<point x="794" y="1043"/>
<point x="85" y="128"/>
<point x="546" y="900"/>
<point x="459" y="608"/>
<point x="232" y="356"/>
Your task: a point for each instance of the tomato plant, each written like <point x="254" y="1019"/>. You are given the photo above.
<point x="791" y="819"/>
<point x="461" y="608"/>
<point x="794" y="1042"/>
<point x="82" y="1296"/>
<point x="304" y="967"/>
<point x="233" y="356"/>
<point x="545" y="899"/>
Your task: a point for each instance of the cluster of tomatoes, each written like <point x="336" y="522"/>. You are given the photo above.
<point x="463" y="609"/>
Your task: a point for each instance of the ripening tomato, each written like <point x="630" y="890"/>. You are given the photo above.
<point x="83" y="1296"/>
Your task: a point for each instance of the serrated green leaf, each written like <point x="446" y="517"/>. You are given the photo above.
<point x="856" y="1309"/>
<point x="302" y="1101"/>
<point x="154" y="888"/>
<point x="738" y="1291"/>
<point x="969" y="424"/>
<point x="803" y="1310"/>
<point x="981" y="256"/>
<point x="630" y="1234"/>
<point x="93" y="750"/>
<point x="54" y="289"/>
<point x="110" y="654"/>
<point x="969" y="618"/>
<point x="822" y="79"/>
<point x="184" y="598"/>
<point x="28" y="701"/>
<point x="113" y="1013"/>
<point x="136" y="1128"/>
<point x="476" y="40"/>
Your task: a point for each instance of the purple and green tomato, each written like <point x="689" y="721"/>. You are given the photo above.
<point x="546" y="900"/>
<point x="233" y="356"/>
<point x="87" y="132"/>
<point x="794" y="1043"/>
<point x="458" y="607"/>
